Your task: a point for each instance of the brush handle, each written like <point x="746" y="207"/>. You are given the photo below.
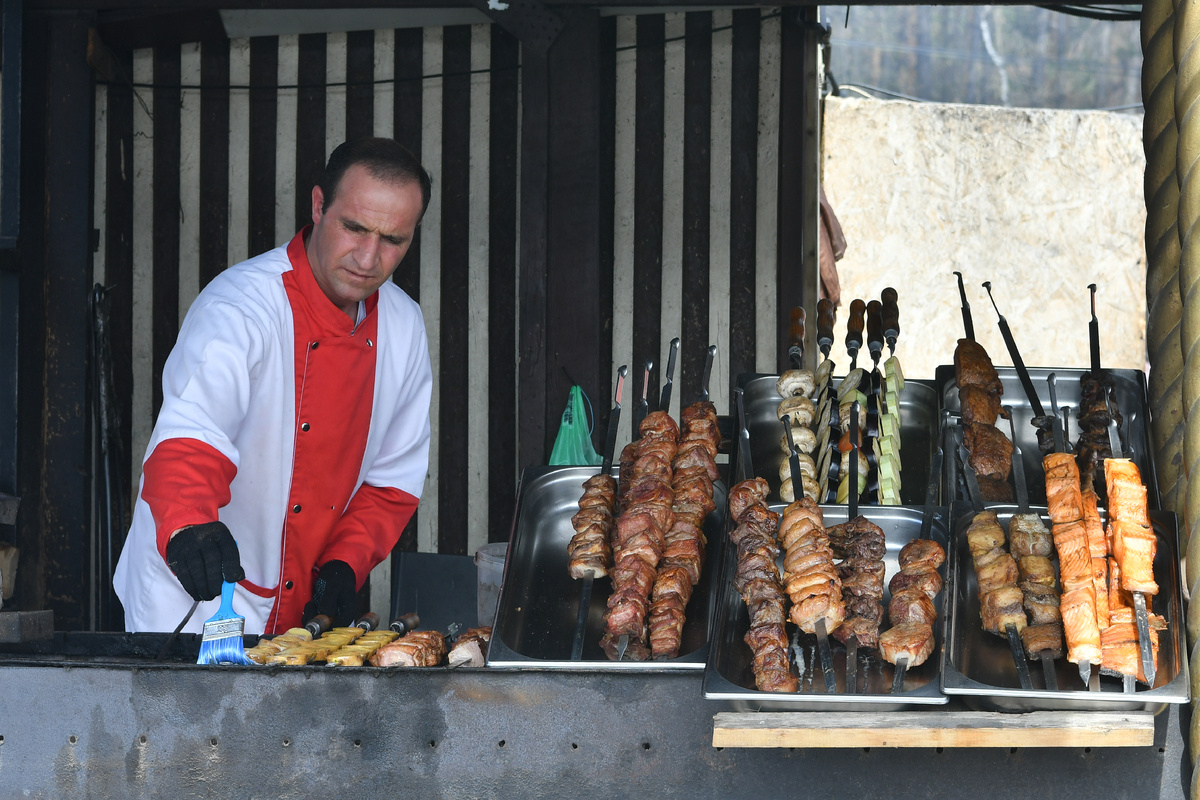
<point x="226" y="609"/>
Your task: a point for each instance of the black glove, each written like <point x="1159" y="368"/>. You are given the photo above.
<point x="202" y="556"/>
<point x="335" y="594"/>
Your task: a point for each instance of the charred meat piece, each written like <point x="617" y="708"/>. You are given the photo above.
<point x="991" y="451"/>
<point x="973" y="367"/>
<point x="979" y="405"/>
<point x="908" y="640"/>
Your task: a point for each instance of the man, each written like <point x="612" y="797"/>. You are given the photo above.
<point x="293" y="439"/>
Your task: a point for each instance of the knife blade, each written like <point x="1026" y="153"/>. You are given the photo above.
<point x="664" y="402"/>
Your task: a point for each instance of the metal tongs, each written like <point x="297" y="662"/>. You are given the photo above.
<point x="1018" y="466"/>
<point x="1010" y="630"/>
<point x="610" y="445"/>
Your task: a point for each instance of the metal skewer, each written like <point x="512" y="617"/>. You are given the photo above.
<point x="610" y="444"/>
<point x="1010" y="630"/>
<point x="968" y="325"/>
<point x="664" y="401"/>
<point x="852" y="513"/>
<point x="707" y="373"/>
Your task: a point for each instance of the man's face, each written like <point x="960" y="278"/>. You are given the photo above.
<point x="357" y="243"/>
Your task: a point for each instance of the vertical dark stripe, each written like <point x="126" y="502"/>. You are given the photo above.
<point x="791" y="277"/>
<point x="118" y="251"/>
<point x="502" y="272"/>
<point x="531" y="337"/>
<point x="697" y="151"/>
<point x="360" y="84"/>
<point x="214" y="159"/>
<point x="31" y="356"/>
<point x="606" y="185"/>
<point x="63" y="504"/>
<point x="406" y="129"/>
<point x="165" y="248"/>
<point x="743" y="192"/>
<point x="264" y="124"/>
<point x="573" y="326"/>
<point x="648" y="201"/>
<point x="454" y="313"/>
<point x="310" y="122"/>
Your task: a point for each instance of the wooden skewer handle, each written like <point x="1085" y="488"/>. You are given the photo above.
<point x="826" y="321"/>
<point x="854" y="325"/>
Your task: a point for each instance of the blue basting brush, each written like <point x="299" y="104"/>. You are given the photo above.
<point x="222" y="640"/>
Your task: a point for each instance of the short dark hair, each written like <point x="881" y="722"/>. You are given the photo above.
<point x="386" y="160"/>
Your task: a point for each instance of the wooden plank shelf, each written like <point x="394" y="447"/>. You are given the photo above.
<point x="942" y="729"/>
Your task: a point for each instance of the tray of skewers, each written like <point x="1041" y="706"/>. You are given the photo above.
<point x="820" y="613"/>
<point x="1072" y="606"/>
<point x="897" y="447"/>
<point x="1084" y="405"/>
<point x="538" y="606"/>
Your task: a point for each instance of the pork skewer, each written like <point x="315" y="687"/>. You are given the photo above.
<point x="851" y="639"/>
<point x="1064" y="501"/>
<point x="1000" y="599"/>
<point x="597" y="566"/>
<point x="1029" y="543"/>
<point x="896" y="647"/>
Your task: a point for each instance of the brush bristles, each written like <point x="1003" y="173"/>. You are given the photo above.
<point x="222" y="643"/>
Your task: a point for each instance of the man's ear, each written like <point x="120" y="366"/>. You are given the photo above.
<point x="318" y="200"/>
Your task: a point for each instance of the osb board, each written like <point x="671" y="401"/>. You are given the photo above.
<point x="1040" y="202"/>
<point x="934" y="729"/>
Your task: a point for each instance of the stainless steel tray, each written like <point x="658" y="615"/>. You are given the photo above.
<point x="979" y="665"/>
<point x="1130" y="385"/>
<point x="728" y="675"/>
<point x="539" y="601"/>
<point x="918" y="433"/>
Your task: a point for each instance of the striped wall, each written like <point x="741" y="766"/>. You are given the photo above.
<point x="208" y="156"/>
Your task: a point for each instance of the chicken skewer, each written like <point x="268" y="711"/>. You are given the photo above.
<point x="1064" y="502"/>
<point x="589" y="551"/>
<point x="1030" y="544"/>
<point x="1000" y="599"/>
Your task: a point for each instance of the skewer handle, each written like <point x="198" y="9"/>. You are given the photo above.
<point x="707" y="373"/>
<point x="796" y="337"/>
<point x="875" y="329"/>
<point x="1018" y="654"/>
<point x="1048" y="670"/>
<point x="854" y="326"/>
<point x="405" y="623"/>
<point x="968" y="325"/>
<point x="890" y="317"/>
<point x="826" y="657"/>
<point x="898" y="675"/>
<point x="1094" y="335"/>
<point x="826" y="322"/>
<point x="664" y="399"/>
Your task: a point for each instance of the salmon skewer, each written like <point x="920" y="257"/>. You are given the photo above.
<point x="1078" y="602"/>
<point x="1132" y="544"/>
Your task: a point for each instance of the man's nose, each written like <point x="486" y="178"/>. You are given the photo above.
<point x="368" y="250"/>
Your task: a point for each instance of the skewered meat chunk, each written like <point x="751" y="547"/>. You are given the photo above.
<point x="811" y="579"/>
<point x="999" y="573"/>
<point x="1064" y="499"/>
<point x="1120" y="651"/>
<point x="923" y="578"/>
<point x="1097" y="540"/>
<point x="995" y="490"/>
<point x="1043" y="640"/>
<point x="1041" y="604"/>
<point x="470" y="648"/>
<point x="589" y="551"/>
<point x="991" y="451"/>
<point x="1094" y="418"/>
<point x="1001" y="608"/>
<point x="746" y="494"/>
<point x="1134" y="549"/>
<point x="908" y="640"/>
<point x="1078" y="608"/>
<point x="921" y="552"/>
<point x="1036" y="571"/>
<point x="414" y="649"/>
<point x="772" y="670"/>
<point x="635" y="650"/>
<point x="1027" y="536"/>
<point x="979" y="405"/>
<point x="973" y="367"/>
<point x="984" y="533"/>
<point x="911" y="605"/>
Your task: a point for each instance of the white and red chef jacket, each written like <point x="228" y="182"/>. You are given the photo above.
<point x="305" y="433"/>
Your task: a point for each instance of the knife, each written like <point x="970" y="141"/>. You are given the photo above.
<point x="610" y="444"/>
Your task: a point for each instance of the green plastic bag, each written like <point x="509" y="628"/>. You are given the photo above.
<point x="573" y="445"/>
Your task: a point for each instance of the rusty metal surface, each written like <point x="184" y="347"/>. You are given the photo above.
<point x="104" y="732"/>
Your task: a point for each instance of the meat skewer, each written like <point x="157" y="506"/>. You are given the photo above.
<point x="1000" y="599"/>
<point x="862" y="570"/>
<point x="979" y="392"/>
<point x="590" y="551"/>
<point x="910" y="642"/>
<point x="756" y="579"/>
<point x="1097" y="409"/>
<point x="1064" y="501"/>
<point x="1030" y="544"/>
